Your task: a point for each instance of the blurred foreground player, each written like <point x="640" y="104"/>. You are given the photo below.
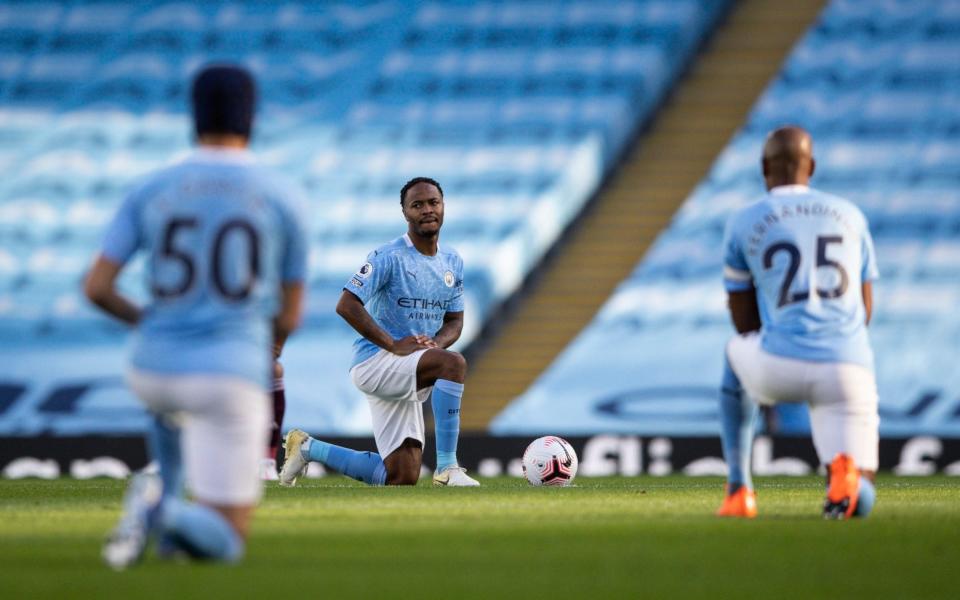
<point x="225" y="266"/>
<point x="406" y="302"/>
<point x="798" y="267"/>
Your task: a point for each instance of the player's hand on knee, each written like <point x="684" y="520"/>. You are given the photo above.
<point x="427" y="341"/>
<point x="409" y="345"/>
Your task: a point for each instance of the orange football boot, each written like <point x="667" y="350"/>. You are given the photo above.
<point x="742" y="503"/>
<point x="844" y="488"/>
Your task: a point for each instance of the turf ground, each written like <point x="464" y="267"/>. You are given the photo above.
<point x="617" y="538"/>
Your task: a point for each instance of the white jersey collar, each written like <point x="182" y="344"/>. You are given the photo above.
<point x="790" y="190"/>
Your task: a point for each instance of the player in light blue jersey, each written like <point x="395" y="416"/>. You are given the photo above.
<point x="226" y="260"/>
<point x="798" y="267"/>
<point x="406" y="302"/>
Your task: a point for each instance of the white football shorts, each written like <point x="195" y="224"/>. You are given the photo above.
<point x="842" y="397"/>
<point x="396" y="406"/>
<point x="224" y="422"/>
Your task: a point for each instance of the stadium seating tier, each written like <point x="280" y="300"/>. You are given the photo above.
<point x="517" y="108"/>
<point x="876" y="83"/>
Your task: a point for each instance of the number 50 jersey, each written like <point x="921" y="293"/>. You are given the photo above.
<point x="807" y="254"/>
<point x="221" y="235"/>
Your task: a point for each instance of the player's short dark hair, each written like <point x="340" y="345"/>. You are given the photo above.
<point x="415" y="181"/>
<point x="224" y="98"/>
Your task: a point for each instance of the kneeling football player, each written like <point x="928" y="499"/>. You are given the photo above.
<point x="406" y="302"/>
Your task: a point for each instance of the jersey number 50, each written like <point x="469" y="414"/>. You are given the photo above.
<point x="822" y="261"/>
<point x="171" y="252"/>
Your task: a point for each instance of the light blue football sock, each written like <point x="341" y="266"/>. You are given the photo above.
<point x="866" y="499"/>
<point x="446" y="419"/>
<point x="200" y="531"/>
<point x="163" y="442"/>
<point x="737" y="417"/>
<point x="367" y="467"/>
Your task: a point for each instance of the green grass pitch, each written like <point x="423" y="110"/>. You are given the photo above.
<point x="605" y="538"/>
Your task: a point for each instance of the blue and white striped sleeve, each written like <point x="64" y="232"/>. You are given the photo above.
<point x="371" y="276"/>
<point x="736" y="272"/>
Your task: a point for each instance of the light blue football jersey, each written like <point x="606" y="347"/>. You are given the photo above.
<point x="807" y="254"/>
<point x="406" y="293"/>
<point x="221" y="234"/>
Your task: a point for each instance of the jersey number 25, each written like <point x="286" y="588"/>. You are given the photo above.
<point x="786" y="297"/>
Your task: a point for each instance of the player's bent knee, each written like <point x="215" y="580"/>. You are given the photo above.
<point x="403" y="477"/>
<point x="403" y="464"/>
<point x="239" y="517"/>
<point x="455" y="366"/>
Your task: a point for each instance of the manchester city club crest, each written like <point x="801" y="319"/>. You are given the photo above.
<point x="448" y="279"/>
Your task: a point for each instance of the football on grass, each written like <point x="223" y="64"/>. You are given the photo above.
<point x="550" y="460"/>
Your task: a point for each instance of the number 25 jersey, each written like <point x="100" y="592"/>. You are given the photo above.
<point x="807" y="254"/>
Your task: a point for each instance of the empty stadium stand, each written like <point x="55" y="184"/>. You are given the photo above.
<point x="877" y="85"/>
<point x="519" y="109"/>
<point x="638" y="201"/>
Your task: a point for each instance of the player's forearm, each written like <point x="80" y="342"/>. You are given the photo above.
<point x="745" y="323"/>
<point x="353" y="312"/>
<point x="368" y="328"/>
<point x="867" y="293"/>
<point x="279" y="340"/>
<point x="117" y="306"/>
<point x="450" y="331"/>
<point x="448" y="334"/>
<point x="288" y="319"/>
<point x="744" y="311"/>
<point x="100" y="288"/>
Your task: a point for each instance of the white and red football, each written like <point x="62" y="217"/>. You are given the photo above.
<point x="550" y="460"/>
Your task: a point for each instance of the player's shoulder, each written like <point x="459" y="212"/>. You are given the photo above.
<point x="390" y="249"/>
<point x="277" y="187"/>
<point x="284" y="197"/>
<point x="841" y="204"/>
<point x="270" y="184"/>
<point x="449" y="253"/>
<point x="153" y="183"/>
<point x="747" y="212"/>
<point x="840" y="201"/>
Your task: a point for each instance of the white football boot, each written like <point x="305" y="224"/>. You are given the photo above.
<point x="294" y="464"/>
<point x="268" y="469"/>
<point x="454" y="477"/>
<point x="128" y="540"/>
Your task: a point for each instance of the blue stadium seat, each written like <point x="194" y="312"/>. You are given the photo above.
<point x="510" y="105"/>
<point x="876" y="84"/>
